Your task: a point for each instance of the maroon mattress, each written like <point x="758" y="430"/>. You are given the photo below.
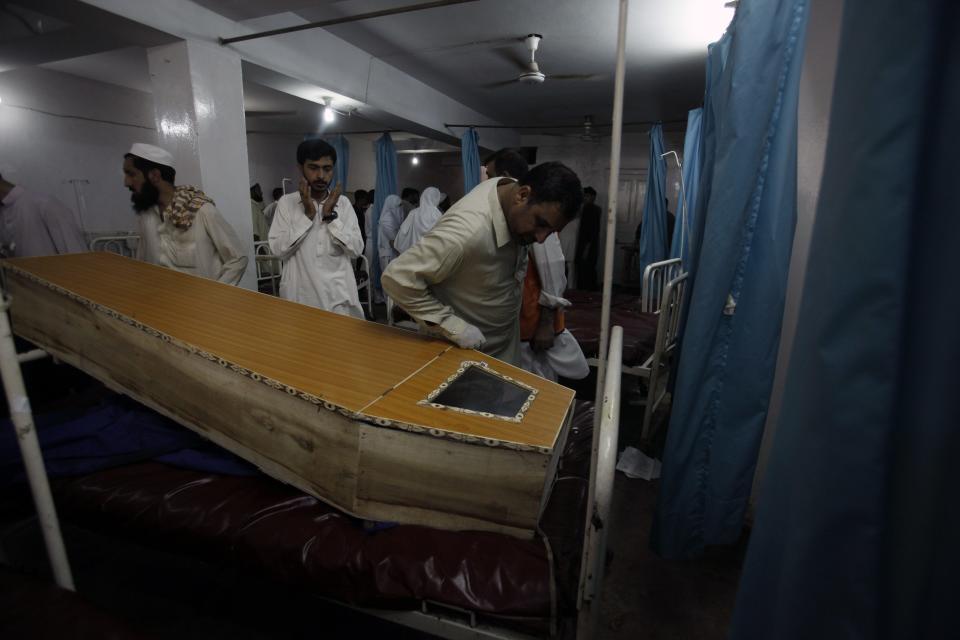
<point x="276" y="531"/>
<point x="585" y="299"/>
<point x="639" y="330"/>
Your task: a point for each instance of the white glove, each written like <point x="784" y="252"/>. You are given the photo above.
<point x="469" y="338"/>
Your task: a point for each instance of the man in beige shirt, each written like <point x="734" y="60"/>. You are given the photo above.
<point x="462" y="280"/>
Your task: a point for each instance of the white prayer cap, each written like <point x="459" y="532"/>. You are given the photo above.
<point x="152" y="153"/>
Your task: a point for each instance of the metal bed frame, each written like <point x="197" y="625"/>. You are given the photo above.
<point x="655" y="278"/>
<point x="268" y="266"/>
<point x="124" y="244"/>
<point x="454" y="623"/>
<point x="446" y="621"/>
<point x="664" y="284"/>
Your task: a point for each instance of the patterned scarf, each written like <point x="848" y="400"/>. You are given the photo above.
<point x="183" y="208"/>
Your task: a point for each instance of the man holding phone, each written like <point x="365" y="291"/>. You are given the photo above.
<point x="316" y="236"/>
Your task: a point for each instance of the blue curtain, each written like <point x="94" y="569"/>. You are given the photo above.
<point x="342" y="147"/>
<point x="680" y="243"/>
<point x="741" y="254"/>
<point x="386" y="186"/>
<point x="653" y="226"/>
<point x="857" y="527"/>
<point x="470" y="153"/>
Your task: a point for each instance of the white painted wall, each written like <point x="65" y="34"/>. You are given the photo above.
<point x="41" y="151"/>
<point x="441" y="170"/>
<point x="591" y="162"/>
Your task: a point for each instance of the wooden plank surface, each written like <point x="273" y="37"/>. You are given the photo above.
<point x="539" y="427"/>
<point x="342" y="360"/>
<point x="350" y="363"/>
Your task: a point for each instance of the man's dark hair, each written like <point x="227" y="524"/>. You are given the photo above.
<point x="555" y="182"/>
<point x="508" y="162"/>
<point x="590" y="191"/>
<point x="409" y="191"/>
<point x="315" y="149"/>
<point x="277" y="193"/>
<point x="168" y="174"/>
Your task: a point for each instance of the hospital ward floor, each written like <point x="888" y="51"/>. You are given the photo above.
<point x="163" y="595"/>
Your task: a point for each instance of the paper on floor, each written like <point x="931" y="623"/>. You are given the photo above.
<point x="636" y="464"/>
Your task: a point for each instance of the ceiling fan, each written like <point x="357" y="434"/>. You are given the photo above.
<point x="587" y="134"/>
<point x="529" y="69"/>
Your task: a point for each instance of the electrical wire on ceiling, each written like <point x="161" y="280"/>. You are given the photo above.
<point x="558" y="126"/>
<point x="73" y="117"/>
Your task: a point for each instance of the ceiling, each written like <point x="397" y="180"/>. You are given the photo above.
<point x="457" y="50"/>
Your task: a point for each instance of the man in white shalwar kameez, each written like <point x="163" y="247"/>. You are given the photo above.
<point x="421" y="220"/>
<point x="551" y="350"/>
<point x="36" y="225"/>
<point x="317" y="237"/>
<point x="180" y="227"/>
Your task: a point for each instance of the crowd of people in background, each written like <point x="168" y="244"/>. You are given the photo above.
<point x="488" y="271"/>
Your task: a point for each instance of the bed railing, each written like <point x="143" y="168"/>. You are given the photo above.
<point x="655" y="279"/>
<point x="602" y="468"/>
<point x="268" y="266"/>
<point x="121" y="244"/>
<point x="658" y="366"/>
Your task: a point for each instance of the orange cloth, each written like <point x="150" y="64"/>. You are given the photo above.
<point x="530" y="305"/>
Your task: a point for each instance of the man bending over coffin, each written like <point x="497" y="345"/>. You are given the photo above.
<point x="462" y="280"/>
<point x="546" y="347"/>
<point x="317" y="237"/>
<point x="180" y="227"/>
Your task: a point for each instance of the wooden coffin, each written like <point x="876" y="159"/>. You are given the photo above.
<point x="343" y="409"/>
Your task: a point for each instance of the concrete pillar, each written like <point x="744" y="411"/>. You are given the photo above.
<point x="198" y="101"/>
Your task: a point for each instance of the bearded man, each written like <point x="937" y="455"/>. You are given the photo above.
<point x="180" y="227"/>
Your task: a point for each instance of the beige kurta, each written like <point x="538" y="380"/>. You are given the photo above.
<point x="465" y="270"/>
<point x="210" y="248"/>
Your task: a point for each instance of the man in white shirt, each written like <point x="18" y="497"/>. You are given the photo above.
<point x="180" y="227"/>
<point x="316" y="235"/>
<point x="35" y="225"/>
<point x="462" y="280"/>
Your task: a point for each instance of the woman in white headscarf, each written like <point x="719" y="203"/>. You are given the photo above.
<point x="391" y="217"/>
<point x="420" y="220"/>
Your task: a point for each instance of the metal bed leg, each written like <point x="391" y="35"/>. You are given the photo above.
<point x="22" y="418"/>
<point x="602" y="469"/>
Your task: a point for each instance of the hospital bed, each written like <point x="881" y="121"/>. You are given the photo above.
<point x="270" y="268"/>
<point x="123" y="244"/>
<point x="650" y="329"/>
<point x="455" y="584"/>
